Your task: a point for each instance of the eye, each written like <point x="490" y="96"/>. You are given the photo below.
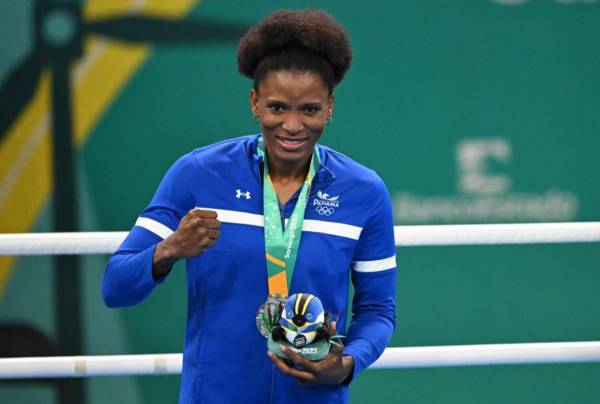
<point x="290" y="314"/>
<point x="276" y="107"/>
<point x="309" y="316"/>
<point x="311" y="109"/>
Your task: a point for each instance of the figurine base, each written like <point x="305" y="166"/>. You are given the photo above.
<point x="314" y="352"/>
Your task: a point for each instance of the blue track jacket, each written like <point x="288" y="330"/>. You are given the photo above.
<point x="347" y="235"/>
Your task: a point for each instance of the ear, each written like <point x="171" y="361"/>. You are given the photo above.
<point x="330" y="104"/>
<point x="254" y="102"/>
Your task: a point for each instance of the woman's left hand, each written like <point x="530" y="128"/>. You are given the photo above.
<point x="334" y="369"/>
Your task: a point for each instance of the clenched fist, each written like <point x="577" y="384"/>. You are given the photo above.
<point x="197" y="232"/>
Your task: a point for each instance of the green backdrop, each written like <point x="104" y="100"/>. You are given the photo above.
<point x="472" y="111"/>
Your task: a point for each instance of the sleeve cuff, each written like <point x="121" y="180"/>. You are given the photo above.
<point x="350" y="377"/>
<point x="358" y="351"/>
<point x="148" y="272"/>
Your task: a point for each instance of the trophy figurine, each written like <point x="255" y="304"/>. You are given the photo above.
<point x="301" y="325"/>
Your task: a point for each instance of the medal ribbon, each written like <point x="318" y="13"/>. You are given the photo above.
<point x="282" y="244"/>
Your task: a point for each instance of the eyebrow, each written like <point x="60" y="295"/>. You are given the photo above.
<point x="312" y="104"/>
<point x="274" y="100"/>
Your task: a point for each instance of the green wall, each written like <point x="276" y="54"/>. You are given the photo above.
<point x="473" y="111"/>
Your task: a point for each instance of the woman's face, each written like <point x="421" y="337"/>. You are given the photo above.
<point x="293" y="108"/>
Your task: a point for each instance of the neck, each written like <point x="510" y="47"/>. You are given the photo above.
<point x="286" y="172"/>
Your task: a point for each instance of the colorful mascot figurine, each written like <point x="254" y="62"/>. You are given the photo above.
<point x="301" y="325"/>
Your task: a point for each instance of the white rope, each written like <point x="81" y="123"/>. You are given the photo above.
<point x="519" y="233"/>
<point x="458" y="234"/>
<point x="61" y="243"/>
<point x="490" y="354"/>
<point x="84" y="366"/>
<point x="392" y="358"/>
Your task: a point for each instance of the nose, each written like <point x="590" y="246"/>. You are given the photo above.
<point x="292" y="124"/>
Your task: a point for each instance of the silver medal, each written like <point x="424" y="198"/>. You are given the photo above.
<point x="268" y="311"/>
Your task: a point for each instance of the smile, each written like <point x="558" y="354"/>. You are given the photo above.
<point x="293" y="141"/>
<point x="290" y="143"/>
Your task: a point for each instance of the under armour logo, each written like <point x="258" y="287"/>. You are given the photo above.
<point x="239" y="194"/>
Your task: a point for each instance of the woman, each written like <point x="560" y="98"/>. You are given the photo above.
<point x="224" y="208"/>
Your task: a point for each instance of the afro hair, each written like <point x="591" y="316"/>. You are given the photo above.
<point x="303" y="40"/>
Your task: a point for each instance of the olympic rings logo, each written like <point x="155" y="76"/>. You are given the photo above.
<point x="325" y="210"/>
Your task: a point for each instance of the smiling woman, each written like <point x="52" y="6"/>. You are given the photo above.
<point x="295" y="60"/>
<point x="292" y="108"/>
<point x="267" y="217"/>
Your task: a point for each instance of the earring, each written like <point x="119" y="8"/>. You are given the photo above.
<point x="256" y="117"/>
<point x="329" y="120"/>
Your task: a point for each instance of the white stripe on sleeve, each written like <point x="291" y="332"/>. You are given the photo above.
<point x="333" y="228"/>
<point x="155" y="227"/>
<point x="237" y="217"/>
<point x="374" y="266"/>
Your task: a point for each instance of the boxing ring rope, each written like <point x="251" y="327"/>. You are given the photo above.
<point x="396" y="358"/>
<point x="392" y="358"/>
<point x="456" y="234"/>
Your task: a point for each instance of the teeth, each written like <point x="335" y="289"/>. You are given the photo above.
<point x="292" y="141"/>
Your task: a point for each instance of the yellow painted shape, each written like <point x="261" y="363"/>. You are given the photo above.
<point x="108" y="8"/>
<point x="170" y="8"/>
<point x="20" y="210"/>
<point x="97" y="9"/>
<point x="25" y="151"/>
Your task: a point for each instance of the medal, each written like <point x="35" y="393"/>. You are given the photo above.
<point x="269" y="312"/>
<point x="281" y="244"/>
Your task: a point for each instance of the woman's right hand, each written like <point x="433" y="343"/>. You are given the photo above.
<point x="197" y="232"/>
